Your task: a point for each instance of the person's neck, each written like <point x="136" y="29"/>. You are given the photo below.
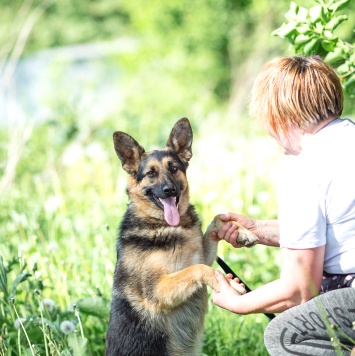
<point x="314" y="128"/>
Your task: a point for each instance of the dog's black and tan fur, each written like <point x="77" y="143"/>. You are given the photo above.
<point x="159" y="296"/>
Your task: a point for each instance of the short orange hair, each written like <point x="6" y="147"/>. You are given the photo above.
<point x="296" y="92"/>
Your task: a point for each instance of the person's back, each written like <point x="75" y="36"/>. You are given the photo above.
<point x="320" y="184"/>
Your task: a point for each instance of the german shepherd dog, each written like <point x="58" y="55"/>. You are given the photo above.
<point x="159" y="295"/>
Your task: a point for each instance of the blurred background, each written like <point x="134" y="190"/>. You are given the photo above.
<point x="74" y="71"/>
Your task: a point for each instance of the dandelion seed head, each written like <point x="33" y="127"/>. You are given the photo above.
<point x="48" y="304"/>
<point x="52" y="204"/>
<point x="67" y="327"/>
<point x="18" y="322"/>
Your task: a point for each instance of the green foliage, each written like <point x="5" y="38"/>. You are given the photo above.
<point x="62" y="22"/>
<point x="31" y="325"/>
<point x="239" y="338"/>
<point x="312" y="31"/>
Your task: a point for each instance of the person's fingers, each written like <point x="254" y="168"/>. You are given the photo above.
<point x="221" y="279"/>
<point x="226" y="231"/>
<point x="225" y="217"/>
<point x="238" y="287"/>
<point x="233" y="240"/>
<point x="229" y="217"/>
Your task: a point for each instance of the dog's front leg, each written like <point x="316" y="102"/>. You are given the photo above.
<point x="173" y="289"/>
<point x="209" y="245"/>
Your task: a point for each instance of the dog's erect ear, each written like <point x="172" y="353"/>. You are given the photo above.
<point x="128" y="151"/>
<point x="180" y="140"/>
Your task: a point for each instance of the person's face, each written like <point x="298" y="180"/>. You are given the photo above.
<point x="290" y="141"/>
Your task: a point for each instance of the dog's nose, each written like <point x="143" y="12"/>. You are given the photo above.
<point x="169" y="190"/>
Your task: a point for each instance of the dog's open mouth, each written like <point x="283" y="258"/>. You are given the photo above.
<point x="171" y="209"/>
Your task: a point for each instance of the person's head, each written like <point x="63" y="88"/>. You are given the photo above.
<point x="294" y="93"/>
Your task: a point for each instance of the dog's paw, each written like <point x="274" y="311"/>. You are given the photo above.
<point x="208" y="277"/>
<point x="215" y="285"/>
<point x="239" y="288"/>
<point x="216" y="224"/>
<point x="245" y="237"/>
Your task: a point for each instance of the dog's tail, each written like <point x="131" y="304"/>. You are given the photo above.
<point x="227" y="269"/>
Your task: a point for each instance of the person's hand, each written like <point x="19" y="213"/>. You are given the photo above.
<point x="227" y="296"/>
<point x="229" y="232"/>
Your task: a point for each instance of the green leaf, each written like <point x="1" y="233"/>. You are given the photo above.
<point x="311" y="47"/>
<point x="291" y="14"/>
<point x="319" y="27"/>
<point x="339" y="5"/>
<point x="19" y="279"/>
<point x="349" y="85"/>
<point x="334" y="56"/>
<point x="344" y="68"/>
<point x="328" y="45"/>
<point x="335" y="22"/>
<point x="301" y="39"/>
<point x="96" y="306"/>
<point x="304" y="28"/>
<point x="286" y="30"/>
<point x="316" y="13"/>
<point x="3" y="279"/>
<point x="78" y="344"/>
<point x="302" y="14"/>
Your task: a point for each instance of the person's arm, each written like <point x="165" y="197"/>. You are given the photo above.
<point x="300" y="280"/>
<point x="266" y="230"/>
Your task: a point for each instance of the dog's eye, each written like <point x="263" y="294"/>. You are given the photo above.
<point x="173" y="169"/>
<point x="151" y="174"/>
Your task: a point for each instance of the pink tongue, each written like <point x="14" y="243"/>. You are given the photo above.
<point x="171" y="213"/>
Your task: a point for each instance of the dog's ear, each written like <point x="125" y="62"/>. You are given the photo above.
<point x="180" y="140"/>
<point x="128" y="151"/>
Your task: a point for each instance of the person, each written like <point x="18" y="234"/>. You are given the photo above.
<point x="299" y="101"/>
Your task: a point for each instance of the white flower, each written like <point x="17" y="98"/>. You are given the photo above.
<point x="48" y="304"/>
<point x="96" y="151"/>
<point x="52" y="203"/>
<point x="263" y="197"/>
<point x="67" y="327"/>
<point x="18" y="322"/>
<point x="253" y="210"/>
<point x="72" y="154"/>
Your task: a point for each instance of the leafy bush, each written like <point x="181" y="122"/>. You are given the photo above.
<point x="312" y="31"/>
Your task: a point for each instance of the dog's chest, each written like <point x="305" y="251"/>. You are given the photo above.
<point x="188" y="251"/>
<point x="181" y="247"/>
<point x="165" y="247"/>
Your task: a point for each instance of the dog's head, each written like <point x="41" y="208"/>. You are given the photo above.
<point x="157" y="184"/>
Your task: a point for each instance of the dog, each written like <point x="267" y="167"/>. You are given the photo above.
<point x="159" y="296"/>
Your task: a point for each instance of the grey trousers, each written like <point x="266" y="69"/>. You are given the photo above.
<point x="323" y="326"/>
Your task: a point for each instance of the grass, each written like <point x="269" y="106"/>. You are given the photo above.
<point x="59" y="219"/>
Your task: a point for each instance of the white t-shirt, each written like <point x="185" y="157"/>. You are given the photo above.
<point x="317" y="196"/>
